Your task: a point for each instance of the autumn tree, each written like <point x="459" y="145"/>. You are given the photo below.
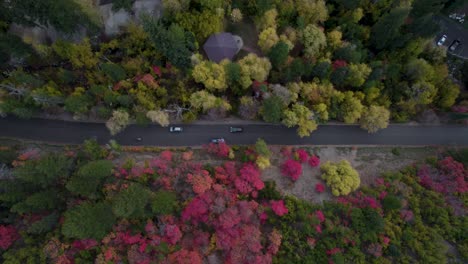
<point x="159" y="116"/>
<point x="341" y="177"/>
<point x="88" y="220"/>
<point x="374" y="118"/>
<point x="203" y="100"/>
<point x="212" y="75"/>
<point x="314" y="40"/>
<point x="268" y="20"/>
<point x="311" y="11"/>
<point x="267" y="39"/>
<point x="130" y="203"/>
<point x="292" y="169"/>
<point x="350" y="108"/>
<point x="89" y="177"/>
<point x="236" y="15"/>
<point x="119" y="120"/>
<point x="357" y="74"/>
<point x="300" y="116"/>
<point x="253" y="68"/>
<point x="264" y="153"/>
<point x="447" y="94"/>
<point x="201" y="24"/>
<point x="248" y="108"/>
<point x="80" y="55"/>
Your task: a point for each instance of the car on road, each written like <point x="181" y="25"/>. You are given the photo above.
<point x="442" y="40"/>
<point x="175" y="129"/>
<point x="455" y="44"/>
<point x="217" y="140"/>
<point x="235" y="129"/>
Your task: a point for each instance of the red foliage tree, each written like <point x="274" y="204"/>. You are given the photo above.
<point x="184" y="256"/>
<point x="278" y="207"/>
<point x="292" y="169"/>
<point x="8" y="235"/>
<point x="201" y="182"/>
<point x="172" y="234"/>
<point x="84" y="244"/>
<point x="219" y="149"/>
<point x="314" y="161"/>
<point x="320" y="216"/>
<point x="338" y="64"/>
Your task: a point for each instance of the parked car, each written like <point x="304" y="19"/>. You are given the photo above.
<point x="235" y="129"/>
<point x="217" y="140"/>
<point x="442" y="40"/>
<point x="455" y="45"/>
<point x="175" y="129"/>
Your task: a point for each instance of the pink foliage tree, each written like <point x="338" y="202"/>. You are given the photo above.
<point x="319" y="187"/>
<point x="184" y="256"/>
<point x="219" y="149"/>
<point x="314" y="161"/>
<point x="8" y="235"/>
<point x="278" y="207"/>
<point x="301" y="155"/>
<point x="292" y="169"/>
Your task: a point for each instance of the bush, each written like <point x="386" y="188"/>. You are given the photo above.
<point x="391" y="203"/>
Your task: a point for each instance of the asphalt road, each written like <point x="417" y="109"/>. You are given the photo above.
<point x="76" y="132"/>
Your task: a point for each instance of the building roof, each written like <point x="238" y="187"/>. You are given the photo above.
<point x="221" y="46"/>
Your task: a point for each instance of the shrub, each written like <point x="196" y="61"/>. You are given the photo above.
<point x="391" y="203"/>
<point x="340" y="177"/>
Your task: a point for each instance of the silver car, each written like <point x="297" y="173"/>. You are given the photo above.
<point x="175" y="129"/>
<point x="442" y="40"/>
<point x="217" y="140"/>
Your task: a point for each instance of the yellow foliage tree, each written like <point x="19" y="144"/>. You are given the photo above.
<point x="263" y="162"/>
<point x="253" y="68"/>
<point x="212" y="75"/>
<point x="374" y="118"/>
<point x="159" y="117"/>
<point x="341" y="177"/>
<point x="267" y="39"/>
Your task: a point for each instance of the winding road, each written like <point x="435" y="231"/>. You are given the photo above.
<point x="76" y="132"/>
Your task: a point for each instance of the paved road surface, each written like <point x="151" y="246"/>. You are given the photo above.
<point x="453" y="30"/>
<point x="75" y="132"/>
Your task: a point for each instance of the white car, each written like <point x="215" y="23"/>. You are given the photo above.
<point x="217" y="140"/>
<point x="442" y="40"/>
<point x="175" y="129"/>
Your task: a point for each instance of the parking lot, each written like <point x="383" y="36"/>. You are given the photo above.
<point x="454" y="31"/>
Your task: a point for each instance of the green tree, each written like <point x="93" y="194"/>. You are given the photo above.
<point x="131" y="202"/>
<point x="163" y="202"/>
<point x="272" y="109"/>
<point x="88" y="220"/>
<point x="233" y="75"/>
<point x="278" y="54"/>
<point x="89" y="178"/>
<point x="261" y="148"/>
<point x="374" y="118"/>
<point x="448" y="93"/>
<point x="46" y="171"/>
<point x="37" y="202"/>
<point x="314" y="40"/>
<point x="78" y="102"/>
<point x="387" y="29"/>
<point x="341" y="177"/>
<point x="176" y="44"/>
<point x="418" y="70"/>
